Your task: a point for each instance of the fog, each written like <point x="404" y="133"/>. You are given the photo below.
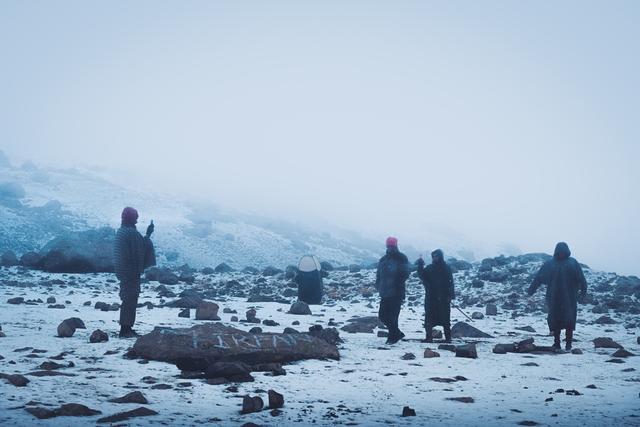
<point x="495" y="124"/>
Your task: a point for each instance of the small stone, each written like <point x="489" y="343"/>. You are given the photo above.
<point x="462" y="399"/>
<point x="15" y="379"/>
<point x="408" y="412"/>
<point x="66" y="330"/>
<point x="133" y="397"/>
<point x="98" y="336"/>
<point x="622" y="353"/>
<point x="269" y="322"/>
<point x="605" y="342"/>
<point x="207" y="311"/>
<point x="252" y="404"/>
<point x="491" y="310"/>
<point x="576" y="351"/>
<point x="276" y="400"/>
<point x="300" y="308"/>
<point x="447" y="347"/>
<point x="467" y="351"/>
<point x="428" y="353"/>
<point x="477" y="315"/>
<point x="255" y="330"/>
<point x="51" y="300"/>
<point x="123" y="416"/>
<point x="408" y="356"/>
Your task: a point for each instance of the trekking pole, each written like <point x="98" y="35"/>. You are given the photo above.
<point x="465" y="314"/>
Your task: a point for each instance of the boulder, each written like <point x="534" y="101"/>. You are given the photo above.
<point x="605" y="342"/>
<point x="207" y="311"/>
<point x="408" y="412"/>
<point x="276" y="400"/>
<point x="162" y="275"/>
<point x="68" y="327"/>
<point x="364" y="325"/>
<point x="202" y="345"/>
<point x="464" y="330"/>
<point x="300" y="308"/>
<point x="124" y="416"/>
<point x="491" y="310"/>
<point x="468" y="351"/>
<point x="15" y="300"/>
<point x="98" y="336"/>
<point x="31" y="260"/>
<point x="476" y="315"/>
<point x="271" y="271"/>
<point x="66" y="410"/>
<point x="133" y="397"/>
<point x="605" y="320"/>
<point x="185" y="312"/>
<point x="251" y="316"/>
<point x="15" y="379"/>
<point x="88" y="251"/>
<point x="223" y="268"/>
<point x="231" y="371"/>
<point x="429" y="354"/>
<point x="621" y="352"/>
<point x="9" y="259"/>
<point x="324" y="265"/>
<point x="252" y="404"/>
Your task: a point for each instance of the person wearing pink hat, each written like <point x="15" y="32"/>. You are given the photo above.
<point x="393" y="271"/>
<point x="132" y="255"/>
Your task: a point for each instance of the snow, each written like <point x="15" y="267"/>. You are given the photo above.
<point x="370" y="380"/>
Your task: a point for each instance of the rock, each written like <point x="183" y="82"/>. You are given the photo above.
<point x="300" y="308"/>
<point x="271" y="271"/>
<point x="133" y="397"/>
<point x="605" y="342"/>
<point x="31" y="260"/>
<point x="252" y="404"/>
<point x="329" y="335"/>
<point x="66" y="410"/>
<point x="50" y="366"/>
<point x="362" y="325"/>
<point x="15" y="301"/>
<point x="103" y="306"/>
<point x="223" y="268"/>
<point x="185" y="313"/>
<point x="622" y="353"/>
<point x="408" y="356"/>
<point x="269" y="322"/>
<point x="162" y="275"/>
<point x="207" y="271"/>
<point x="462" y="329"/>
<point x="66" y="330"/>
<point x="638" y="340"/>
<point x="476" y="315"/>
<point x="504" y="348"/>
<point x="251" y="316"/>
<point x="80" y="252"/>
<point x="15" y="379"/>
<point x="187" y="301"/>
<point x="447" y="347"/>
<point x="428" y="353"/>
<point x="491" y="310"/>
<point x="207" y="311"/>
<point x="467" y="351"/>
<point x="461" y="399"/>
<point x="354" y="268"/>
<point x="205" y="344"/>
<point x="324" y="265"/>
<point x="9" y="259"/>
<point x="408" y="412"/>
<point x="232" y="371"/>
<point x="123" y="416"/>
<point x="98" y="336"/>
<point x="576" y="351"/>
<point x="234" y="319"/>
<point x="381" y="334"/>
<point x="605" y="320"/>
<point x="276" y="400"/>
<point x="255" y="330"/>
<point x="51" y="300"/>
<point x="525" y="329"/>
<point x="251" y="270"/>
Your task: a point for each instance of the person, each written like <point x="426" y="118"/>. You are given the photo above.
<point x="393" y="272"/>
<point x="565" y="281"/>
<point x="438" y="293"/>
<point x="309" y="280"/>
<point x="132" y="255"/>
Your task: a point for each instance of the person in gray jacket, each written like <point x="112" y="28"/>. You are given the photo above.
<point x="132" y="255"/>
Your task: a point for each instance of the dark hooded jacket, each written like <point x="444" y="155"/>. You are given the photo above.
<point x="438" y="291"/>
<point x="309" y="286"/>
<point x="564" y="279"/>
<point x="393" y="272"/>
<point x="132" y="254"/>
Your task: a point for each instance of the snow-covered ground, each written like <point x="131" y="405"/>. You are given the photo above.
<point x="369" y="385"/>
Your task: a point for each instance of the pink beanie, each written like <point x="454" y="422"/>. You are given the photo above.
<point x="392" y="242"/>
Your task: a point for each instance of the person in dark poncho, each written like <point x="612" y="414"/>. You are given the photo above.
<point x="309" y="280"/>
<point x="393" y="271"/>
<point x="565" y="282"/>
<point x="438" y="293"/>
<point x="132" y="255"/>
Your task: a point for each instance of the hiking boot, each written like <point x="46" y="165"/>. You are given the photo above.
<point x="128" y="333"/>
<point x="568" y="346"/>
<point x="556" y="345"/>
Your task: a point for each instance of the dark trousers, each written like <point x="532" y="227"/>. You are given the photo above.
<point x="129" y="293"/>
<point x="388" y="314"/>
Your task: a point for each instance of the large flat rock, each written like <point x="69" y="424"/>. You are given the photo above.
<point x="214" y="342"/>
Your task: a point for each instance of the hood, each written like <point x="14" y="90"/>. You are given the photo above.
<point x="562" y="251"/>
<point x="438" y="252"/>
<point x="392" y="250"/>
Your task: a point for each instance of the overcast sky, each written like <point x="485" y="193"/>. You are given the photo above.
<point x="501" y="122"/>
